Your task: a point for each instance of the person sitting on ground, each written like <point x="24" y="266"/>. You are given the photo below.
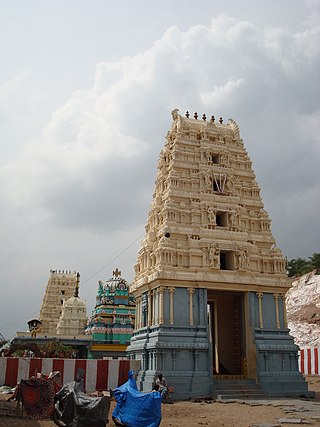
<point x="156" y="388"/>
<point x="163" y="388"/>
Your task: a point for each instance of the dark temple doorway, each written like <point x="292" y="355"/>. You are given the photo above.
<point x="225" y="314"/>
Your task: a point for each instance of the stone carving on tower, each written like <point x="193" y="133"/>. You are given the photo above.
<point x="209" y="279"/>
<point x="60" y="287"/>
<point x="207" y="210"/>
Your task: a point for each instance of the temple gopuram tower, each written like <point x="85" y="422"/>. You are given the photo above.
<point x="112" y="321"/>
<point x="73" y="318"/>
<point x="61" y="286"/>
<point x="209" y="280"/>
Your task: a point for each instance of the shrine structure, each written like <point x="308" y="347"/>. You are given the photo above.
<point x="61" y="286"/>
<point x="112" y="321"/>
<point x="73" y="318"/>
<point x="63" y="316"/>
<point x="209" y="280"/>
<point x="106" y="334"/>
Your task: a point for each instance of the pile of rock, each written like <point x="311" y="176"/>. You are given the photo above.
<point x="303" y="309"/>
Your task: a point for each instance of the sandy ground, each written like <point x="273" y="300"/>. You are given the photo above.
<point x="184" y="414"/>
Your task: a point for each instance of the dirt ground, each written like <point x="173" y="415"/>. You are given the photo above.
<point x="184" y="414"/>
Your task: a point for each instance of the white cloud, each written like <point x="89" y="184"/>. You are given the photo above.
<point x="221" y="94"/>
<point x="101" y="135"/>
<point x="13" y="94"/>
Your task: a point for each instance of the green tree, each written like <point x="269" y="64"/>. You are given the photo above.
<point x="315" y="260"/>
<point x="55" y="348"/>
<point x="300" y="266"/>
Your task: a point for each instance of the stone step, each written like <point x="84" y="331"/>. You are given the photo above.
<point x="241" y="396"/>
<point x="241" y="389"/>
<point x="236" y="385"/>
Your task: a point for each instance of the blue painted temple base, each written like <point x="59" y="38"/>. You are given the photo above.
<point x="185" y="354"/>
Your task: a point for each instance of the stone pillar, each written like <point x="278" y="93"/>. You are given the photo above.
<point x="149" y="309"/>
<point x="153" y="308"/>
<point x="143" y="362"/>
<point x="171" y="292"/>
<point x="156" y="306"/>
<point x="202" y="303"/>
<point x="260" y="296"/>
<point x="191" y="292"/>
<point x="276" y="301"/>
<point x="155" y="361"/>
<point x="285" y="320"/>
<point x="140" y="312"/>
<point x="136" y="320"/>
<point x="161" y="317"/>
<point x="151" y="360"/>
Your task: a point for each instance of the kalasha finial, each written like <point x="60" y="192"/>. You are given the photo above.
<point x="187" y="114"/>
<point x="116" y="273"/>
<point x="195" y="115"/>
<point x="221" y="120"/>
<point x="204" y="117"/>
<point x="212" y="119"/>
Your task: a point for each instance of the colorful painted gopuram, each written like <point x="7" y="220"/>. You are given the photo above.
<point x="112" y="321"/>
<point x="209" y="280"/>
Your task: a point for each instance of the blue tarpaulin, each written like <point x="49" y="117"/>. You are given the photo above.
<point x="136" y="409"/>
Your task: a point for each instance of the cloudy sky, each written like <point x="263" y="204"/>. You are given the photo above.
<point x="86" y="91"/>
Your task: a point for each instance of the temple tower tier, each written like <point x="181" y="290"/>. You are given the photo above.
<point x="209" y="280"/>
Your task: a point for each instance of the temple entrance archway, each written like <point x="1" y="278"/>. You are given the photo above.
<point x="227" y="336"/>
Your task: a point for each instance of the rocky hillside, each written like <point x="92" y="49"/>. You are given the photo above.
<point x="303" y="309"/>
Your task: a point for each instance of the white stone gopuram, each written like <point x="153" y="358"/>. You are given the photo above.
<point x="60" y="287"/>
<point x="209" y="280"/>
<point x="73" y="319"/>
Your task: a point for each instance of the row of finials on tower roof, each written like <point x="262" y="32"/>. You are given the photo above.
<point x="204" y="117"/>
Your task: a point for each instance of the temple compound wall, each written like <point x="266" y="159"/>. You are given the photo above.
<point x="209" y="280"/>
